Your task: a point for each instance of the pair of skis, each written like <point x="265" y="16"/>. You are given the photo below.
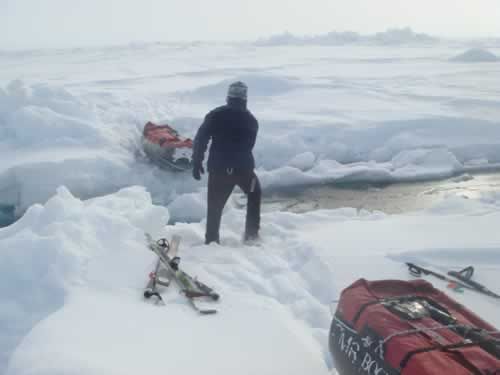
<point x="459" y="280"/>
<point x="167" y="269"/>
<point x="160" y="275"/>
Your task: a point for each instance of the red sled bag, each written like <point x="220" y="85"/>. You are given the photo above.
<point x="409" y="327"/>
<point x="166" y="148"/>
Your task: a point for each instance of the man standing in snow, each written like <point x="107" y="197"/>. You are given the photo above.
<point x="233" y="130"/>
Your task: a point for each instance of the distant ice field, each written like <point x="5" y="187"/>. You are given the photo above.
<point x="327" y="113"/>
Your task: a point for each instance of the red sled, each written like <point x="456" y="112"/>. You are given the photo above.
<point x="166" y="148"/>
<point x="394" y="327"/>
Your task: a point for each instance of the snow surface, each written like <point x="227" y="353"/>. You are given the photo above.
<point x="72" y="274"/>
<point x="327" y="113"/>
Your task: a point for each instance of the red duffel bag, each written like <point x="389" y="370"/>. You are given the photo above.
<point x="410" y="328"/>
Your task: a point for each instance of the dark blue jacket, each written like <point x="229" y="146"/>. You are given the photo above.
<point x="232" y="129"/>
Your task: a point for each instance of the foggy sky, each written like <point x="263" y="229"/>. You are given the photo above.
<point x="66" y="23"/>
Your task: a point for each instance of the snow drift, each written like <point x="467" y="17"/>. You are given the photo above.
<point x="356" y="112"/>
<point x="63" y="244"/>
<point x="79" y="267"/>
<point x="50" y="137"/>
<point x="55" y="139"/>
<point x="476" y="55"/>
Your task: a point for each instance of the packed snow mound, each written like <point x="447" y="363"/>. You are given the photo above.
<point x="88" y="263"/>
<point x="406" y="156"/>
<point x="51" y="137"/>
<point x="467" y="139"/>
<point x="44" y="116"/>
<point x="476" y="55"/>
<point x="189" y="207"/>
<point x="57" y="139"/>
<point x="425" y="163"/>
<point x="127" y="336"/>
<point x="88" y="174"/>
<point x="66" y="243"/>
<point x="303" y="161"/>
<point x="389" y="37"/>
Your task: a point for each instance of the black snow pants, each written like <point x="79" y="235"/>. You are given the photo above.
<point x="220" y="187"/>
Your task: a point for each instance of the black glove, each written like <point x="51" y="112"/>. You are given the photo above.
<point x="198" y="170"/>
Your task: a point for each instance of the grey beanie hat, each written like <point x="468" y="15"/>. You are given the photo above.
<point x="237" y="90"/>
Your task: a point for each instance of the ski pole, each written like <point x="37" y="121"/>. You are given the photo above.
<point x="454" y="284"/>
<point x="465" y="277"/>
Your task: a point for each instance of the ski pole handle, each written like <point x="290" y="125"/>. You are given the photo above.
<point x="419" y="271"/>
<point x="471" y="283"/>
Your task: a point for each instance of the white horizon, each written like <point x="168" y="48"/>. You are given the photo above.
<point x="33" y="24"/>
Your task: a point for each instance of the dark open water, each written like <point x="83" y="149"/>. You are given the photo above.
<point x="389" y="198"/>
<point x="7" y="215"/>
